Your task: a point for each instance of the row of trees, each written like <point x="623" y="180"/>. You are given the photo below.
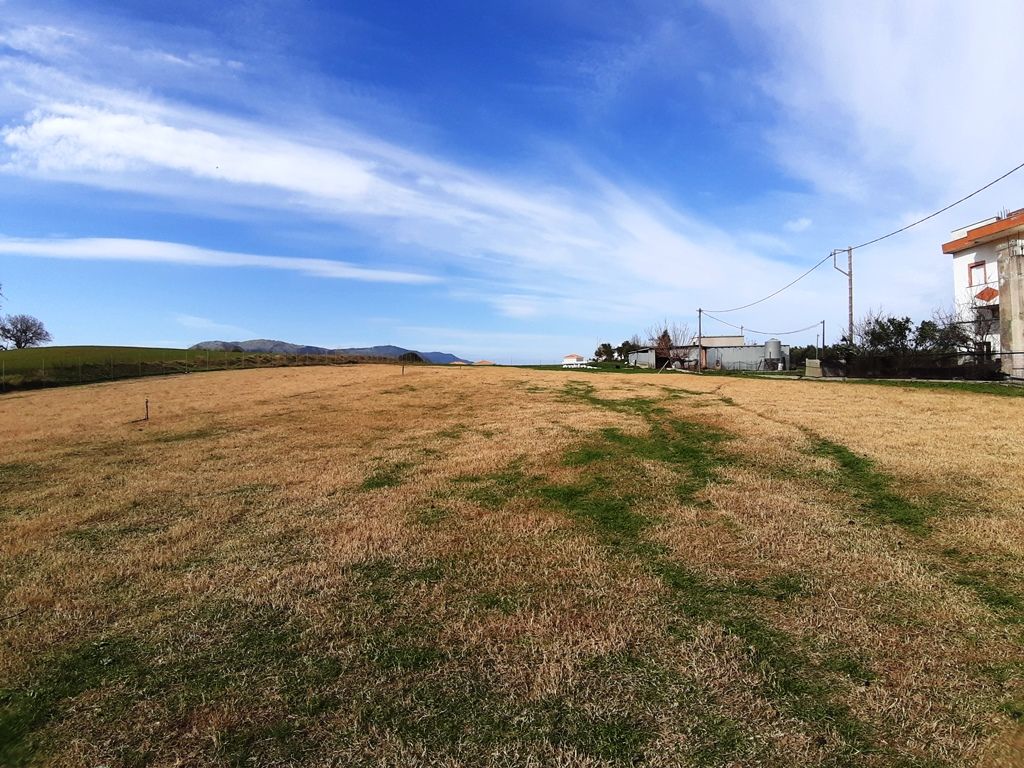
<point x="877" y="333"/>
<point x="883" y="335"/>
<point x="944" y="333"/>
<point x="605" y="352"/>
<point x="22" y="331"/>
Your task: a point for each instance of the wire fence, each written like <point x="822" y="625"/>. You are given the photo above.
<point x="63" y="370"/>
<point x="969" y="366"/>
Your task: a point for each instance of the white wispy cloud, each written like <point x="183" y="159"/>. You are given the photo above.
<point x="530" y="249"/>
<point x="876" y="98"/>
<point x="197" y="323"/>
<point x="156" y="251"/>
<point x="888" y="111"/>
<point x="874" y="125"/>
<point x="39" y="40"/>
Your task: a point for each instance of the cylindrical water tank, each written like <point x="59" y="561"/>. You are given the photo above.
<point x="773" y="349"/>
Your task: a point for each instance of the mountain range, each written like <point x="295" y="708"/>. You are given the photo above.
<point x="272" y="347"/>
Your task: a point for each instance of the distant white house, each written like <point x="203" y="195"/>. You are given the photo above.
<point x="988" y="285"/>
<point x="574" y="361"/>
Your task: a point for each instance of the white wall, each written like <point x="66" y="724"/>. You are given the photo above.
<point x="964" y="292"/>
<point x="644" y="359"/>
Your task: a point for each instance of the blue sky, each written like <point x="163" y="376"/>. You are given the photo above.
<point x="513" y="181"/>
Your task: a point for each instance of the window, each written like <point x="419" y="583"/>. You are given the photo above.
<point x="976" y="274"/>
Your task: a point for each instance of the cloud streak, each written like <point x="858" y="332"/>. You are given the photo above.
<point x="529" y="250"/>
<point x="196" y="323"/>
<point x="161" y="252"/>
<point x="875" y="97"/>
<point x="872" y="130"/>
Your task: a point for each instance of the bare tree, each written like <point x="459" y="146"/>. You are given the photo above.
<point x="24" y="331"/>
<point x="651" y="333"/>
<point x="678" y="334"/>
<point x="670" y="341"/>
<point x="974" y="324"/>
<point x="965" y="335"/>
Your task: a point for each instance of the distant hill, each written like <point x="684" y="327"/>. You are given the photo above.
<point x="273" y="347"/>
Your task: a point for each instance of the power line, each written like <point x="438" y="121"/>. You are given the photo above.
<point x="776" y="293"/>
<point x="941" y="210"/>
<point x="762" y="333"/>
<point x="875" y="240"/>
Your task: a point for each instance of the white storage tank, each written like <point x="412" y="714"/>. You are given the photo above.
<point x="773" y="349"/>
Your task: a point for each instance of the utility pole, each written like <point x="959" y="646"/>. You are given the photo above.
<point x="822" y="335"/>
<point x="849" y="274"/>
<point x="849" y="278"/>
<point x="700" y="339"/>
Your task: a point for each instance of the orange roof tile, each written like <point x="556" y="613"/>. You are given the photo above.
<point x="985" y="232"/>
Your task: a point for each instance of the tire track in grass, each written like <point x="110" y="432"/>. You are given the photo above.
<point x="873" y="488"/>
<point x="874" y="492"/>
<point x="793" y="682"/>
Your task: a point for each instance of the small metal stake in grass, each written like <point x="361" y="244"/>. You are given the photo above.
<point x="147" y="410"/>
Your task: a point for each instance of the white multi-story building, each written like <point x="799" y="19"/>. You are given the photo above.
<point x="988" y="285"/>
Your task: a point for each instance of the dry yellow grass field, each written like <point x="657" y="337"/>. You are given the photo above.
<point x="510" y="567"/>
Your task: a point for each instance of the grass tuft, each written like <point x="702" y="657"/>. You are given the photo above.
<point x="495" y="490"/>
<point x="25" y="711"/>
<point x="874" y="488"/>
<point x="185" y="436"/>
<point x="604" y="736"/>
<point x="387" y="476"/>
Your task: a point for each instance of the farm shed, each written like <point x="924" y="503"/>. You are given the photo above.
<point x="770" y="356"/>
<point x="720" y="352"/>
